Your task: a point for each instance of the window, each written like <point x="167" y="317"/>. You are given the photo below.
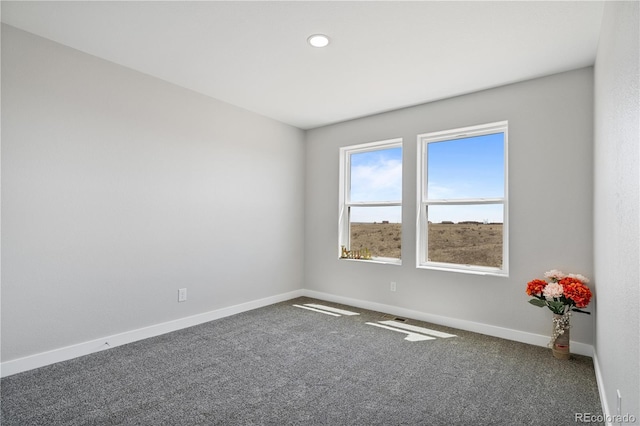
<point x="370" y="204"/>
<point x="462" y="200"/>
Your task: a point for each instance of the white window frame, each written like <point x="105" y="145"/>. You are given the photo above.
<point x="345" y="203"/>
<point x="423" y="201"/>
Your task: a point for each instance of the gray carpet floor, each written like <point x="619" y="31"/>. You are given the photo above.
<point x="282" y="365"/>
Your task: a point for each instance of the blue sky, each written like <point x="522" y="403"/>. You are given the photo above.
<point x="464" y="168"/>
<point x="376" y="176"/>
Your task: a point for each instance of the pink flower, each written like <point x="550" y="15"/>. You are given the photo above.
<point x="553" y="290"/>
<point x="554" y="275"/>
<point x="579" y="277"/>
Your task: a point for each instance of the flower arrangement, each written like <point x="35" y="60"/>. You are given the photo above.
<point x="561" y="293"/>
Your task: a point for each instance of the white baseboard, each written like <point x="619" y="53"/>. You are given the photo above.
<point x="490" y="330"/>
<point x="19" y="365"/>
<point x="601" y="391"/>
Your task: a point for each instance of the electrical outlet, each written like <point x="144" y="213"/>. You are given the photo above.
<point x="182" y="295"/>
<point x="393" y="286"/>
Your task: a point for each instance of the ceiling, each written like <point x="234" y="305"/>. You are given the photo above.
<point x="382" y="56"/>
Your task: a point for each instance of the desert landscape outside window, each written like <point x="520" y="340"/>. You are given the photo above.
<point x="462" y="199"/>
<point x="370" y="224"/>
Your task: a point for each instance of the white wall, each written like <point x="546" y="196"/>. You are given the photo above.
<point x="119" y="188"/>
<point x="616" y="207"/>
<point x="550" y="179"/>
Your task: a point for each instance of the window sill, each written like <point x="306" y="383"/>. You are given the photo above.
<point x="378" y="260"/>
<point x="466" y="270"/>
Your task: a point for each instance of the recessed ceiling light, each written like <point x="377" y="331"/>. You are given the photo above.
<point x="318" y="40"/>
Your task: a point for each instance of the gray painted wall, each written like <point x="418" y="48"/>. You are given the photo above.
<point x="550" y="172"/>
<point x="616" y="208"/>
<point x="119" y="188"/>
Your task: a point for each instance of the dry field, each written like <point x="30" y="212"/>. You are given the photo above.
<point x="470" y="244"/>
<point x="382" y="239"/>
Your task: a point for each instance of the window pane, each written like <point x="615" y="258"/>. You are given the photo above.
<point x="378" y="229"/>
<point x="465" y="234"/>
<point x="376" y="175"/>
<point x="466" y="168"/>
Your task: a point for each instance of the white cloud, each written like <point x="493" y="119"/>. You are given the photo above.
<point x="377" y="181"/>
<point x="437" y="191"/>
